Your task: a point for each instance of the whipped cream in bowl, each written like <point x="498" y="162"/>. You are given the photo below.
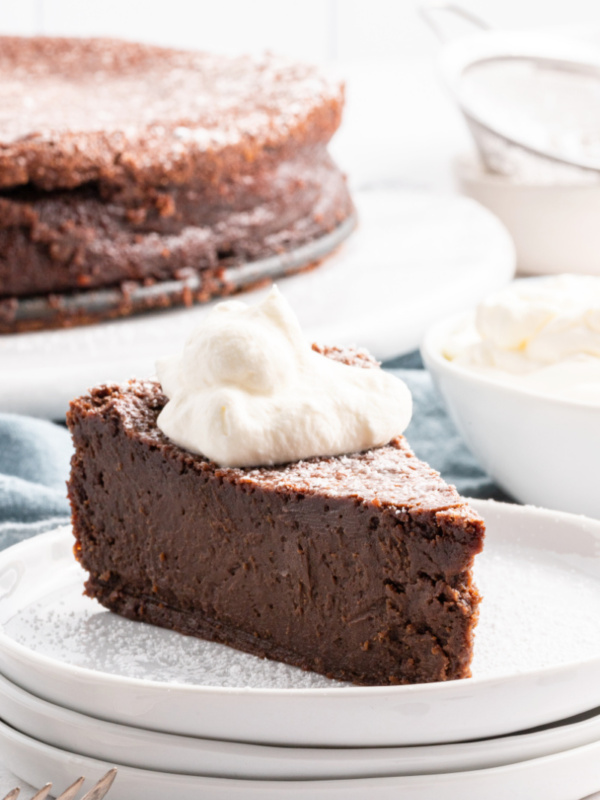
<point x="521" y="380"/>
<point x="249" y="390"/>
<point x="541" y="335"/>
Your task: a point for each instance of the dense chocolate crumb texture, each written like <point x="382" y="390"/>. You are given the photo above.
<point x="81" y="110"/>
<point x="124" y="163"/>
<point x="358" y="567"/>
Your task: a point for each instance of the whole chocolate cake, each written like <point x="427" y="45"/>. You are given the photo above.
<point x="356" y="566"/>
<point x="125" y="167"/>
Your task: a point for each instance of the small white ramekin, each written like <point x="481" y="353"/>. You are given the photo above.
<point x="541" y="450"/>
<point x="555" y="227"/>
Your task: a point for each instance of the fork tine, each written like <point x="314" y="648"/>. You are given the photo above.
<point x="43" y="792"/>
<point x="98" y="791"/>
<point x="71" y="792"/>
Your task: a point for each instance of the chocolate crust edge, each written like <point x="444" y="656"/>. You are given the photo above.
<point x="151" y="611"/>
<point x="190" y="287"/>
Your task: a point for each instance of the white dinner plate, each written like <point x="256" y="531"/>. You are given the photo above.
<point x="537" y="652"/>
<point x="135" y="747"/>
<point x="414" y="258"/>
<point x="565" y="776"/>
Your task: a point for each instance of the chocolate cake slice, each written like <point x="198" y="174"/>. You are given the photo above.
<point x="357" y="567"/>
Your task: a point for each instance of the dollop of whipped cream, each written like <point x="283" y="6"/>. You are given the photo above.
<point x="542" y="333"/>
<point x="249" y="390"/>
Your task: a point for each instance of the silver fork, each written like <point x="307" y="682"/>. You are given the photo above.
<point x="97" y="792"/>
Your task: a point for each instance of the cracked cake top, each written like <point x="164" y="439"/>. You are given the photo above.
<point x="80" y="110"/>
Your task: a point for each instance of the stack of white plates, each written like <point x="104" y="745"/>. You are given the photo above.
<point x="82" y="690"/>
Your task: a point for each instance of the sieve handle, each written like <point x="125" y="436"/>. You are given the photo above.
<point x="430" y="11"/>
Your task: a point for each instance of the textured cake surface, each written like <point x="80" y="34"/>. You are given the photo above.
<point x="81" y="110"/>
<point x="124" y="165"/>
<point x="357" y="567"/>
<point x="85" y="238"/>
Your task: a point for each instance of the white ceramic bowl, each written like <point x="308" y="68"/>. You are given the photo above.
<point x="554" y="226"/>
<point x="541" y="450"/>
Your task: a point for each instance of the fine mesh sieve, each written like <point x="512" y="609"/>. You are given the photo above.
<point x="531" y="100"/>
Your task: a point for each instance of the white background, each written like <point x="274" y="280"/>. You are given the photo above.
<point x="313" y="29"/>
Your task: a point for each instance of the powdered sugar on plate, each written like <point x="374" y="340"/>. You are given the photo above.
<point x="72" y="628"/>
<point x="538" y="611"/>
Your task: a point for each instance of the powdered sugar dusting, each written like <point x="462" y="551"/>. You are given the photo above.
<point x="537" y="612"/>
<point x="78" y="110"/>
<point x="74" y="629"/>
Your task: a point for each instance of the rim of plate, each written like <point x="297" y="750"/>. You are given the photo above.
<point x="12" y="734"/>
<point x="42" y="706"/>
<point x="438" y="687"/>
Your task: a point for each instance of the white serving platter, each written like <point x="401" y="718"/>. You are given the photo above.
<point x="537" y="652"/>
<point x="564" y="776"/>
<point x="414" y="258"/>
<point x="142" y="749"/>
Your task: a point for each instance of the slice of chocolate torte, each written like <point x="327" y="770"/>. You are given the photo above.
<point x="358" y="566"/>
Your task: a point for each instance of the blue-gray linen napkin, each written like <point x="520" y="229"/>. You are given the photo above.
<point x="34" y="459"/>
